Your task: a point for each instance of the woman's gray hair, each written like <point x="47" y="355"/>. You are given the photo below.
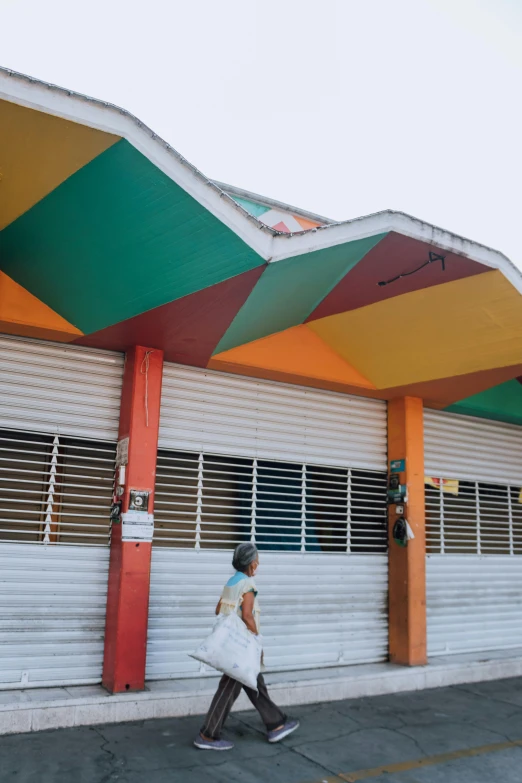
<point x="244" y="555"/>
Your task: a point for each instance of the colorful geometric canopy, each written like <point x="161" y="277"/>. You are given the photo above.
<point x="109" y="238"/>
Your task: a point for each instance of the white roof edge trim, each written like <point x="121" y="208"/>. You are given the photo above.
<point x="390" y="220"/>
<point x="42" y="96"/>
<point x="272" y="203"/>
<point x="268" y="243"/>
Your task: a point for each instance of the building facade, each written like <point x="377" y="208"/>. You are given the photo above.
<point x="186" y="366"/>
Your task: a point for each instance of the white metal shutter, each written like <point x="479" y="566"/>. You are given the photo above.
<point x="59" y="416"/>
<point x="52" y="614"/>
<point x="289" y="448"/>
<point x="316" y="610"/>
<point x="474" y="538"/>
<point x="464" y="447"/>
<point x="51" y="387"/>
<point x="474" y="604"/>
<point x="208" y="411"/>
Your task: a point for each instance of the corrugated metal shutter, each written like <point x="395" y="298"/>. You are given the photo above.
<point x="464" y="447"/>
<point x="316" y="610"/>
<point x="55" y="489"/>
<point x="225" y="414"/>
<point x="475" y="518"/>
<point x="292" y="469"/>
<point x="52" y="614"/>
<point x="474" y="604"/>
<point x="208" y="501"/>
<point x="51" y="387"/>
<point x="474" y="534"/>
<point x="59" y="415"/>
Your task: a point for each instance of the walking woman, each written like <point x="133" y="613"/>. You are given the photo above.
<point x="241" y="591"/>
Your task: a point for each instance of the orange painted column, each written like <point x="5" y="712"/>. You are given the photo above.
<point x="131" y="540"/>
<point x="407" y="565"/>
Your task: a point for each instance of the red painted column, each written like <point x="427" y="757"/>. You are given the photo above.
<point x="129" y="570"/>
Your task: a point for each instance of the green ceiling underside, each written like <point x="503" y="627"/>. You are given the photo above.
<point x="116" y="239"/>
<point x="502" y="403"/>
<point x="290" y="290"/>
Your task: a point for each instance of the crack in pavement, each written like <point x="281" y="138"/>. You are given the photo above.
<point x="345" y="734"/>
<point x="294" y="749"/>
<point x="412" y="739"/>
<point x="488" y="697"/>
<point x="307" y="742"/>
<point x="339" y="775"/>
<point x="317" y="763"/>
<point x="358" y="731"/>
<point x="115" y="762"/>
<point x="391" y="714"/>
<point x="207" y="768"/>
<point x="453" y="723"/>
<point x="191" y="764"/>
<point x="491" y="731"/>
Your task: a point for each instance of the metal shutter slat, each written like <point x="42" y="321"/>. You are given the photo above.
<point x="474" y="603"/>
<point x="464" y="447"/>
<point x="52" y="614"/>
<point x="223" y="414"/>
<point x="333" y="621"/>
<point x="474" y="596"/>
<point x="59" y="417"/>
<point x="50" y="387"/>
<point x="314" y="460"/>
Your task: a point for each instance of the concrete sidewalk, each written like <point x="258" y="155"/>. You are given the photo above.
<point x="39" y="709"/>
<point x="462" y="734"/>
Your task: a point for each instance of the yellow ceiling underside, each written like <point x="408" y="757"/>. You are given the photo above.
<point x="23" y="314"/>
<point x="297" y="351"/>
<point x="453" y="329"/>
<point x="37" y="153"/>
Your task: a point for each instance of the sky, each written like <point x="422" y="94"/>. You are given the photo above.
<point x="341" y="107"/>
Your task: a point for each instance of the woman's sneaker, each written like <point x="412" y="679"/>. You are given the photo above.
<point x="279" y="734"/>
<point x="207" y="744"/>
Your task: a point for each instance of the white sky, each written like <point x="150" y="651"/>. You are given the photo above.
<point x="343" y="107"/>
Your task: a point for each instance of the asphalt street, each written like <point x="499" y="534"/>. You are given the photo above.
<point x="464" y="734"/>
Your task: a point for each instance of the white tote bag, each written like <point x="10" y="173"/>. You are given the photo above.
<point x="232" y="649"/>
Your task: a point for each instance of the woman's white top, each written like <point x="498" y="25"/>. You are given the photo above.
<point x="233" y="595"/>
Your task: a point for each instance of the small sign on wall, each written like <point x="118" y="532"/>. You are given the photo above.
<point x="122" y="452"/>
<point x="137" y="526"/>
<point x="449" y="486"/>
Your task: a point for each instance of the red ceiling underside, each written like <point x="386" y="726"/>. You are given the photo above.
<point x="393" y="255"/>
<point x="189" y="329"/>
<point x="438" y="393"/>
<point x="446" y="391"/>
